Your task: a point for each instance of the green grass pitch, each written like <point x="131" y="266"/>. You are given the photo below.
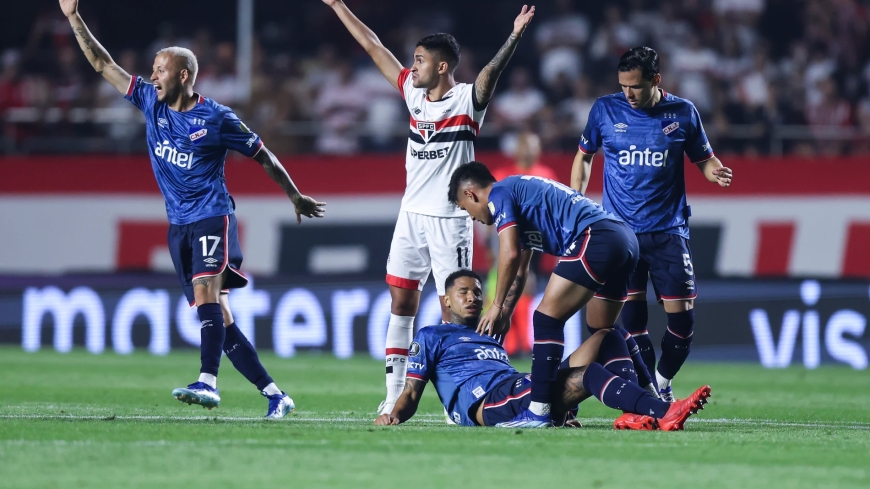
<point x="79" y="420"/>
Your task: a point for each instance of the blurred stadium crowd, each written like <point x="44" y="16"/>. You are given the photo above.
<point x="768" y="76"/>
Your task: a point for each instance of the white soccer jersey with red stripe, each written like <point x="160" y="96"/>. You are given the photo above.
<point x="441" y="139"/>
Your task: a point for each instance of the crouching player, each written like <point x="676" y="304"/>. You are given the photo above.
<point x="478" y="386"/>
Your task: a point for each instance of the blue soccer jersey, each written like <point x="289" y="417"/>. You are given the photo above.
<point x="462" y="364"/>
<point x="188" y="151"/>
<point x="550" y="215"/>
<point x="643" y="159"/>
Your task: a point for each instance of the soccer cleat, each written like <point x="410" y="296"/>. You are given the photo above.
<point x="448" y="419"/>
<point x="667" y="395"/>
<point x="280" y="405"/>
<point x="386" y="407"/>
<point x="527" y="419"/>
<point x="631" y="421"/>
<point x="680" y="411"/>
<point x="198" y="393"/>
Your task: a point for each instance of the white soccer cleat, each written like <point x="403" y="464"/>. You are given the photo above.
<point x="280" y="405"/>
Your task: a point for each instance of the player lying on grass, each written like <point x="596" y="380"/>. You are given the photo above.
<point x="478" y="386"/>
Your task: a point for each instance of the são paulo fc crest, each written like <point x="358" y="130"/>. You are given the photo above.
<point x="426" y="129"/>
<point x="414" y="350"/>
<point x="668" y="128"/>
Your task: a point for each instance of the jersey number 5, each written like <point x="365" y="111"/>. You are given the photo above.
<point x="687" y="262"/>
<point x="209" y="252"/>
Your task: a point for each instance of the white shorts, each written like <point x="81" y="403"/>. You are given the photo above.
<point x="422" y="244"/>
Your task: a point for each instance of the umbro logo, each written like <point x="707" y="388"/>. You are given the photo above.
<point x="620" y="126"/>
<point x="209" y="260"/>
<point x="162" y="123"/>
<point x="465" y="338"/>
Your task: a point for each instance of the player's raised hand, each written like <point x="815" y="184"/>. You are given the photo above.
<point x="723" y="176"/>
<point x="487" y="323"/>
<point x="70" y="7"/>
<point x="522" y="20"/>
<point x="385" y="419"/>
<point x="308" y="207"/>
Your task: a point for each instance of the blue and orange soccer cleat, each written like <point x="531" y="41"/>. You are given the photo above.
<point x="280" y="405"/>
<point x="198" y="393"/>
<point x="631" y="421"/>
<point x="676" y="417"/>
<point x="527" y="419"/>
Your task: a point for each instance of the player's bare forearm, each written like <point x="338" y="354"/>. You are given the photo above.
<point x="715" y="172"/>
<point x="97" y="55"/>
<point x="580" y="171"/>
<point x="277" y="173"/>
<point x="407" y="403"/>
<point x="383" y="58"/>
<point x="509" y="258"/>
<point x="519" y="284"/>
<point x="484" y="85"/>
<point x="571" y="390"/>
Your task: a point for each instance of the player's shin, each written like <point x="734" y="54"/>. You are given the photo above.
<point x="675" y="344"/>
<point x="546" y="355"/>
<point x="400" y="332"/>
<point x="613" y="354"/>
<point x="212" y="336"/>
<point x="618" y="393"/>
<point x="244" y="357"/>
<point x="635" y="316"/>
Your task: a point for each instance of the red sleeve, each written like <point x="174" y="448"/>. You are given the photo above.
<point x="403" y="75"/>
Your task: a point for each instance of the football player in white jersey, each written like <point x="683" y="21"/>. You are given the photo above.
<point x="431" y="234"/>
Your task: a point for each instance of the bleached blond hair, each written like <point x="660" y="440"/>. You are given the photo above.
<point x="186" y="58"/>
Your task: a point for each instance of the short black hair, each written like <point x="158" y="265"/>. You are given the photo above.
<point x="642" y="57"/>
<point x="444" y="46"/>
<point x="462" y="272"/>
<point x="474" y="172"/>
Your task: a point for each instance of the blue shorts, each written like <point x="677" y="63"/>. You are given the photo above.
<point x="507" y="399"/>
<point x="664" y="258"/>
<point x="607" y="253"/>
<point x="204" y="249"/>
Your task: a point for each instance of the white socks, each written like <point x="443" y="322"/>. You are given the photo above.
<point x="400" y="333"/>
<point x="208" y="379"/>
<point x="662" y="382"/>
<point x="272" y="390"/>
<point x="539" y="408"/>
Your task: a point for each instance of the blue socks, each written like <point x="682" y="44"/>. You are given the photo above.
<point x="613" y="355"/>
<point x="676" y="342"/>
<point x="244" y="357"/>
<point x="212" y="336"/>
<point x="618" y="393"/>
<point x="643" y="375"/>
<point x="546" y="355"/>
<point x="635" y="316"/>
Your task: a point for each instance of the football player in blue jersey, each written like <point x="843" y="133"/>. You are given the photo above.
<point x="597" y="253"/>
<point x="189" y="136"/>
<point x="478" y="386"/>
<point x="644" y="132"/>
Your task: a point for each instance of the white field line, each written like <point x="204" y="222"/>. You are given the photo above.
<point x="432" y="419"/>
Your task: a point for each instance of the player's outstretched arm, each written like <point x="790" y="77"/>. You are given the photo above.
<point x="514" y="293"/>
<point x="94" y="51"/>
<point x="305" y="205"/>
<point x="484" y="86"/>
<point x="383" y="58"/>
<point x="406" y="405"/>
<point x="581" y="170"/>
<point x="509" y="259"/>
<point x="716" y="172"/>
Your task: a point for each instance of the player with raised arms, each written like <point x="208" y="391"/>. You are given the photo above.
<point x="597" y="253"/>
<point x="189" y="136"/>
<point x="431" y="233"/>
<point x="644" y="132"/>
<point x="478" y="386"/>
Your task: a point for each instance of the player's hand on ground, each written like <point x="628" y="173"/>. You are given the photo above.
<point x="486" y="324"/>
<point x="70" y="7"/>
<point x="385" y="419"/>
<point x="723" y="176"/>
<point x="522" y="20"/>
<point x="308" y="207"/>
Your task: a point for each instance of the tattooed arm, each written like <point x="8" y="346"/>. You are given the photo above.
<point x="94" y="51"/>
<point x="484" y="86"/>
<point x="305" y="205"/>
<point x="406" y="405"/>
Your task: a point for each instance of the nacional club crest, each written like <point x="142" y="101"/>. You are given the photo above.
<point x="668" y="128"/>
<point x="426" y="129"/>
